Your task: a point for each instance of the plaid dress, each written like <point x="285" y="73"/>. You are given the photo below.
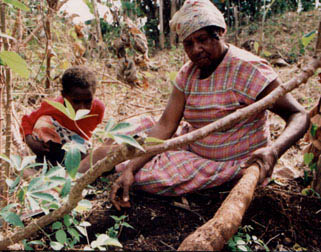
<point x="216" y="159"/>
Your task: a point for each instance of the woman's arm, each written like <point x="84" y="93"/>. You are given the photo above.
<point x="297" y="123"/>
<point x="164" y="129"/>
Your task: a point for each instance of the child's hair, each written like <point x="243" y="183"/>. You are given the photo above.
<point x="78" y="76"/>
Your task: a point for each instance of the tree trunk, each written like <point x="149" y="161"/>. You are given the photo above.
<point x="7" y="79"/>
<point x="173" y="34"/>
<point x="161" y="24"/>
<point x="97" y="20"/>
<point x="1" y="101"/>
<point x="48" y="46"/>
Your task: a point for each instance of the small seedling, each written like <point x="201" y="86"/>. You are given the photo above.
<point x="243" y="241"/>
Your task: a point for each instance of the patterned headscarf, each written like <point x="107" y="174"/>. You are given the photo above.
<point x="194" y="15"/>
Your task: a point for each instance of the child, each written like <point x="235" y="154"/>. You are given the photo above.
<point x="47" y="129"/>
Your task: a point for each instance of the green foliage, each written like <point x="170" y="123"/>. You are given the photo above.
<point x="310" y="192"/>
<point x="308" y="159"/>
<point x="69" y="111"/>
<point x="243" y="241"/>
<point x="119" y="222"/>
<point x="34" y="194"/>
<point x="27" y="244"/>
<point x="111" y="237"/>
<point x="11" y="217"/>
<point x="255" y="9"/>
<point x="117" y="132"/>
<point x="17" y="4"/>
<point x="130" y="7"/>
<point x="151" y="31"/>
<point x="313" y="130"/>
<point x="72" y="161"/>
<point x="90" y="6"/>
<point x="307" y="38"/>
<point x="65" y="234"/>
<point x="15" y="62"/>
<point x="103" y="240"/>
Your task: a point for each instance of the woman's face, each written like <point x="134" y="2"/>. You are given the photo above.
<point x="80" y="98"/>
<point x="202" y="49"/>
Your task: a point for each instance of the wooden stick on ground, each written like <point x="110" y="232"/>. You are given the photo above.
<point x="213" y="234"/>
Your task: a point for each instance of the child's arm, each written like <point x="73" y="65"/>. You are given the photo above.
<point x="38" y="147"/>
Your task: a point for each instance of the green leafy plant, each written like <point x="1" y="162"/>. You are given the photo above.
<point x="305" y="40"/>
<point x="17" y="4"/>
<point x="35" y="193"/>
<point x="308" y="160"/>
<point x="119" y="133"/>
<point x="103" y="241"/>
<point x="66" y="234"/>
<point x="15" y="63"/>
<point x="243" y="241"/>
<point x="119" y="223"/>
<point x="11" y="217"/>
<point x="111" y="237"/>
<point x="27" y="244"/>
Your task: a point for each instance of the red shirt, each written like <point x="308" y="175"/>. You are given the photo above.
<point x="86" y="124"/>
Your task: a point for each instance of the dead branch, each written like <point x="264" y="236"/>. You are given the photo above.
<point x="97" y="21"/>
<point x="32" y="34"/>
<point x="7" y="78"/>
<point x="16" y="136"/>
<point x="60" y="4"/>
<point x="49" y="51"/>
<point x="122" y="153"/>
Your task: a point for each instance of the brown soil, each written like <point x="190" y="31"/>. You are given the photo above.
<point x="280" y="216"/>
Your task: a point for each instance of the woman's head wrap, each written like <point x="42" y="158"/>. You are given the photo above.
<point x="195" y="15"/>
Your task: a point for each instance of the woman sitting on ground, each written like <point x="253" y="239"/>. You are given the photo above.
<point x="218" y="80"/>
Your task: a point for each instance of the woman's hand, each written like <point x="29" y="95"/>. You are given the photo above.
<point x="124" y="182"/>
<point x="266" y="158"/>
<point x="38" y="147"/>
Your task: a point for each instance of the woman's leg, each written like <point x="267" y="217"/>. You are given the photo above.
<point x="174" y="173"/>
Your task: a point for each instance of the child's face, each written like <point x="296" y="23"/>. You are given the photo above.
<point x="80" y="98"/>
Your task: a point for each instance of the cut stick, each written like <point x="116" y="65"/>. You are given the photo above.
<point x="213" y="235"/>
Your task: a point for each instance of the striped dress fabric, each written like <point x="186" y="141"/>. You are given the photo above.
<point x="216" y="159"/>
